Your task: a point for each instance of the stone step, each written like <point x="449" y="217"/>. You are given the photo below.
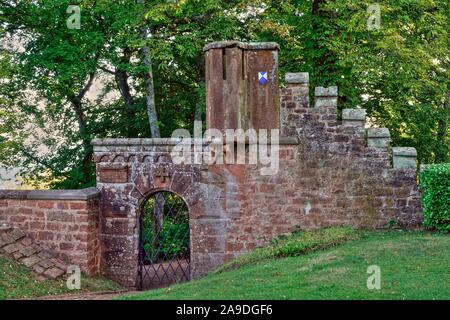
<point x="15" y="244"/>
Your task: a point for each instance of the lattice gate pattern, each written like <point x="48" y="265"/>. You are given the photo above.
<point x="164" y="252"/>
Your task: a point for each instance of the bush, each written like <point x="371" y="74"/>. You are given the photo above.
<point x="435" y="188"/>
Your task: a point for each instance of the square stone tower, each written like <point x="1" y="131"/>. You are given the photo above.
<point x="242" y="85"/>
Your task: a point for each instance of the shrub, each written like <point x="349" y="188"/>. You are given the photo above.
<point x="435" y="188"/>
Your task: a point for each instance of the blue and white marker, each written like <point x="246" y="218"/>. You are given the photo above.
<point x="262" y="77"/>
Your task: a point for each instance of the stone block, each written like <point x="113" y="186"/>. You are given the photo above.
<point x="354" y="117"/>
<point x="13" y="247"/>
<point x="54" y="273"/>
<point x="28" y="251"/>
<point x="4" y="227"/>
<point x="31" y="261"/>
<point x="46" y="263"/>
<point x="326" y="92"/>
<point x="404" y="157"/>
<point x="378" y="137"/>
<point x="113" y="175"/>
<point x="38" y="269"/>
<point x="17" y="234"/>
<point x="297" y="78"/>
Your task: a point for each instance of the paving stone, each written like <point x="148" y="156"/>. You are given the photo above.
<point x="45" y="254"/>
<point x="13" y="247"/>
<point x="37" y="248"/>
<point x="17" y="234"/>
<point x="28" y="251"/>
<point x="31" y="261"/>
<point x="54" y="273"/>
<point x="38" y="269"/>
<point x="61" y="265"/>
<point x="46" y="263"/>
<point x="7" y="239"/>
<point x="26" y="241"/>
<point x="17" y="255"/>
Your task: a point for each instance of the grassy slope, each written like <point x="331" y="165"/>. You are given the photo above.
<point x="414" y="265"/>
<point x="17" y="282"/>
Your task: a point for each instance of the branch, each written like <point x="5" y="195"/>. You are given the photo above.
<point x="87" y="87"/>
<point x="107" y="70"/>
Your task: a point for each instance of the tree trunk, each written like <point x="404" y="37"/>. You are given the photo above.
<point x="150" y="90"/>
<point x="86" y="162"/>
<point x="77" y="105"/>
<point x="442" y="154"/>
<point x="198" y="104"/>
<point x="125" y="91"/>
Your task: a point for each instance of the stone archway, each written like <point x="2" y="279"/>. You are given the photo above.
<point x="131" y="170"/>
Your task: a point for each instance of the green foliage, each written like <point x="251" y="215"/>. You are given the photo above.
<point x="165" y="231"/>
<point x="435" y="188"/>
<point x="171" y="242"/>
<point x="399" y="73"/>
<point x="300" y="242"/>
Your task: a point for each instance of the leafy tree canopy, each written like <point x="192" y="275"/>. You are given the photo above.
<point x="146" y="57"/>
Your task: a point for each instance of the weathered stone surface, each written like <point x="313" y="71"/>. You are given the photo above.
<point x="17" y="255"/>
<point x="31" y="261"/>
<point x="16" y="234"/>
<point x="11" y="248"/>
<point x="28" y="251"/>
<point x="65" y="223"/>
<point x="54" y="273"/>
<point x="326" y="175"/>
<point x="326" y="92"/>
<point x="236" y="97"/>
<point x="4" y="227"/>
<point x="46" y="263"/>
<point x="354" y="117"/>
<point x="38" y="269"/>
<point x="404" y="157"/>
<point x="378" y="137"/>
<point x="113" y="175"/>
<point x="84" y="194"/>
<point x="301" y="77"/>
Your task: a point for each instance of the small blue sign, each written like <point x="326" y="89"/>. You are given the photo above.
<point x="262" y="77"/>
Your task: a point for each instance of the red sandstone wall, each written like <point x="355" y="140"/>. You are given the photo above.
<point x="330" y="173"/>
<point x="67" y="228"/>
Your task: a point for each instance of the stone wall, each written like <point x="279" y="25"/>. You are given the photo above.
<point x="63" y="222"/>
<point x="330" y="173"/>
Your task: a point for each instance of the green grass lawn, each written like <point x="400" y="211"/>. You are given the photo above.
<point x="414" y="265"/>
<point x="18" y="282"/>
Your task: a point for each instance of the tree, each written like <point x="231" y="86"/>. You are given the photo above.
<point x="399" y="72"/>
<point x="149" y="58"/>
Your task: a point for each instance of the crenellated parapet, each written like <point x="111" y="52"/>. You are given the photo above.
<point x="348" y="135"/>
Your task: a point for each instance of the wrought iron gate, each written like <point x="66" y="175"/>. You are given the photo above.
<point x="164" y="253"/>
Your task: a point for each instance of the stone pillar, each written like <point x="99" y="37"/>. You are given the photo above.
<point x="378" y="137"/>
<point x="354" y="117"/>
<point x="325" y="103"/>
<point x="242" y="85"/>
<point x="326" y="97"/>
<point x="298" y="83"/>
<point x="404" y="157"/>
